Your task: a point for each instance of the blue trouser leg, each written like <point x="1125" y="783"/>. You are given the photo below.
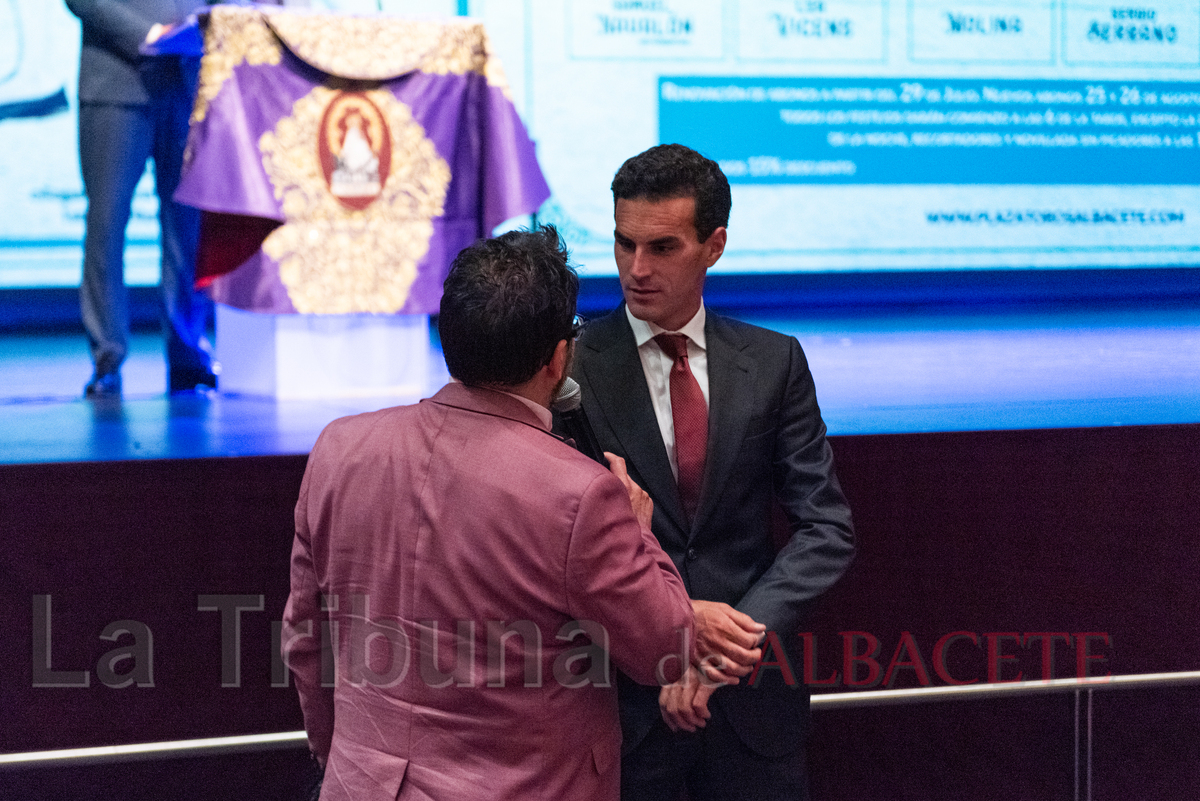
<point x="114" y="143"/>
<point x="184" y="311"/>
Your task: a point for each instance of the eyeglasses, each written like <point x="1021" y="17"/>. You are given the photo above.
<point x="577" y="324"/>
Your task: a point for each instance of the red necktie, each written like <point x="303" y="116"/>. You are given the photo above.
<point x="689" y="414"/>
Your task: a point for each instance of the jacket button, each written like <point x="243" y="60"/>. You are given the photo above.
<point x="691" y="554"/>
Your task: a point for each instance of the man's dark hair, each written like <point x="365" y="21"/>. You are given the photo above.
<point x="506" y="305"/>
<point x="666" y="172"/>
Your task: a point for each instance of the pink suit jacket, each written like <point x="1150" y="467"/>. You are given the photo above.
<point x="454" y="543"/>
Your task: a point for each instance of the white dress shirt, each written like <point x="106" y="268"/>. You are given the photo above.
<point x="657" y="367"/>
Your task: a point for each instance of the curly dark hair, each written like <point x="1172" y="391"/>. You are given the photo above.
<point x="506" y="305"/>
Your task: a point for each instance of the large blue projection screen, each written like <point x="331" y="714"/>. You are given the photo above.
<point x="42" y="204"/>
<point x="975" y="172"/>
<point x="854" y="131"/>
<point x="886" y="134"/>
<point x="858" y="134"/>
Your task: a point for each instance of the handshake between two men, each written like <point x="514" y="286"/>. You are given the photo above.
<point x="728" y="642"/>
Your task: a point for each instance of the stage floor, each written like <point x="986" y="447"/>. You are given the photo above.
<point x="896" y="372"/>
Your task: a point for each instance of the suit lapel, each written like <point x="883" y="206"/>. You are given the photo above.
<point x="613" y="371"/>
<point x="730" y="398"/>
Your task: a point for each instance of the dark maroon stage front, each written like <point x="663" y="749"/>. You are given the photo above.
<point x="1002" y="535"/>
<point x="1024" y="487"/>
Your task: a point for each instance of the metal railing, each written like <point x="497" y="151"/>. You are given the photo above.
<point x="214" y="746"/>
<point x="208" y="746"/>
<point x="1000" y="689"/>
<point x="1083" y="736"/>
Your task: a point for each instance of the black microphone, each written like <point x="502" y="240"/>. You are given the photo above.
<point x="569" y="406"/>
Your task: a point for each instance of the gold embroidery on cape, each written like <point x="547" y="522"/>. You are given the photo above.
<point x="335" y="260"/>
<point x="493" y="72"/>
<point x="232" y="36"/>
<point x="382" y="48"/>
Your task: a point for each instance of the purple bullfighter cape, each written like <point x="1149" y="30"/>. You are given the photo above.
<point x="360" y="153"/>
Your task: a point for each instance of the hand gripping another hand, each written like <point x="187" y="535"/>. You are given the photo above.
<point x="727" y="648"/>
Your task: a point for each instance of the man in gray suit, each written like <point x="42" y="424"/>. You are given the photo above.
<point x="718" y="421"/>
<point x="132" y="108"/>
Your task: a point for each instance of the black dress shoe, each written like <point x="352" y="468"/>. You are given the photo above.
<point x="191" y="381"/>
<point x="107" y="385"/>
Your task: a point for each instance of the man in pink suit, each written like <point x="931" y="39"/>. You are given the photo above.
<point x="472" y="569"/>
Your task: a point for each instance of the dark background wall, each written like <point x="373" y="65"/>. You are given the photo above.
<point x="1079" y="530"/>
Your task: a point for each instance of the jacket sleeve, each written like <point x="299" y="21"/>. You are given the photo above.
<point x="301" y="637"/>
<point x="618" y="576"/>
<point x="113" y="24"/>
<point x="821" y="542"/>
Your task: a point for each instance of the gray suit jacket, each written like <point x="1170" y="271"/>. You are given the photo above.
<point x="110" y="69"/>
<point x="766" y="452"/>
